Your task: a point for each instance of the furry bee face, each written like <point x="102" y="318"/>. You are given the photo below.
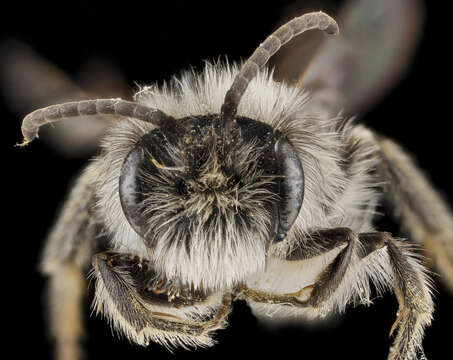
<point x="191" y="193"/>
<point x="201" y="193"/>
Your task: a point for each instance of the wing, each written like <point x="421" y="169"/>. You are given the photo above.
<point x="353" y="71"/>
<point x="30" y="82"/>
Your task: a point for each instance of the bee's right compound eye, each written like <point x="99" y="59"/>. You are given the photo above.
<point x="148" y="157"/>
<point x="131" y="194"/>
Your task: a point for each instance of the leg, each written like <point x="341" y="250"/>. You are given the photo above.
<point x="144" y="307"/>
<point x="66" y="254"/>
<point x="421" y="210"/>
<point x="330" y="278"/>
<point x="412" y="289"/>
<point x="410" y="282"/>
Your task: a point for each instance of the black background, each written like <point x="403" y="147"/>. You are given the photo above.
<point x="150" y="42"/>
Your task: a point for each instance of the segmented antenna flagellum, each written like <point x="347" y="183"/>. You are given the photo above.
<point x="284" y="34"/>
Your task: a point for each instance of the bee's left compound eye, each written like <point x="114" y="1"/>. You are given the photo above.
<point x="288" y="168"/>
<point x="291" y="186"/>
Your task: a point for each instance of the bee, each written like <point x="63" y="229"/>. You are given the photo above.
<point x="226" y="185"/>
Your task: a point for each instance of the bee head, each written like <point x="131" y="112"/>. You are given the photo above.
<point x="207" y="194"/>
<point x="211" y="202"/>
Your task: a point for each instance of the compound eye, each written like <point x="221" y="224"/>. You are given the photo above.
<point x="291" y="186"/>
<point x="149" y="156"/>
<point x="287" y="165"/>
<point x="131" y="192"/>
